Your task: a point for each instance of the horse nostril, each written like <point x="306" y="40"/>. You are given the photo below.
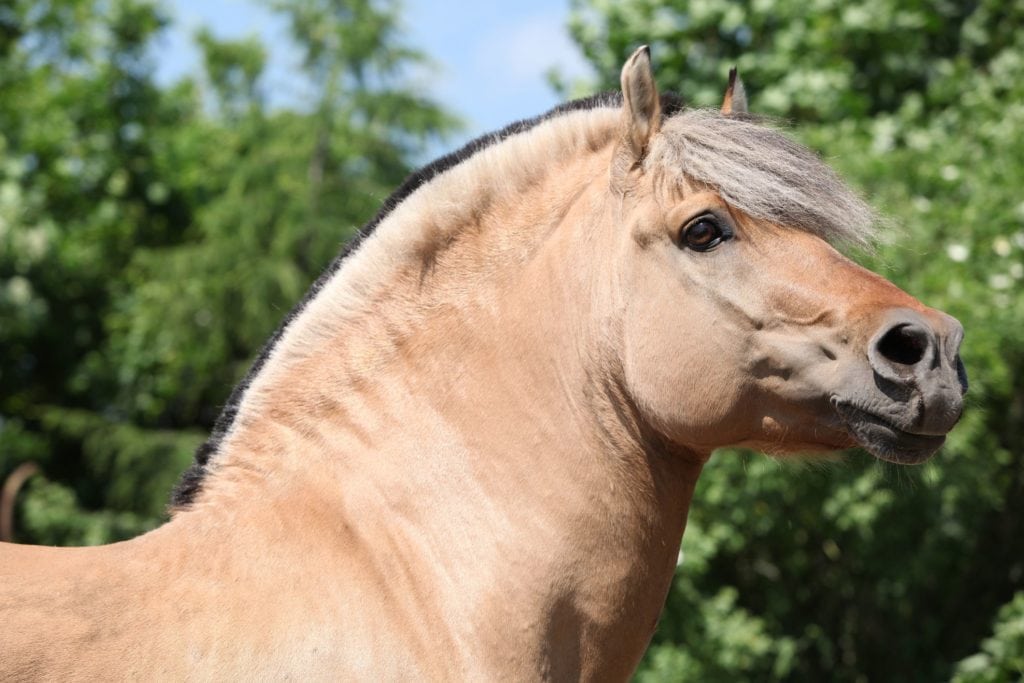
<point x="917" y="371"/>
<point x="905" y="344"/>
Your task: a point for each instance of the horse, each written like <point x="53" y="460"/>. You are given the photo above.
<point x="470" y="451"/>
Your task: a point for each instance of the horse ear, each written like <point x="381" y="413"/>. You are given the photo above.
<point x="641" y="104"/>
<point x="735" y="100"/>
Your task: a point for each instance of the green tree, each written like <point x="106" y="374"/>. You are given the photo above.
<point x="861" y="571"/>
<point x="80" y="194"/>
<point x="822" y="60"/>
<point x="1001" y="659"/>
<point x="151" y="238"/>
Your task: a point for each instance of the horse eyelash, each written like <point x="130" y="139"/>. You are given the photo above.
<point x="724" y="225"/>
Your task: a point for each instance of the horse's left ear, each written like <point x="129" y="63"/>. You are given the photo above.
<point x="735" y="100"/>
<point x="641" y="110"/>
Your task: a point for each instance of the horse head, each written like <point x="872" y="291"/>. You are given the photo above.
<point x="741" y="323"/>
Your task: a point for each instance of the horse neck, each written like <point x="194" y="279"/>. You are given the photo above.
<point x="468" y="414"/>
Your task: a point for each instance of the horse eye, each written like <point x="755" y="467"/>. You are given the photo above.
<point x="703" y="234"/>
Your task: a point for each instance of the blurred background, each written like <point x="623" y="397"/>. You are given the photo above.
<point x="174" y="174"/>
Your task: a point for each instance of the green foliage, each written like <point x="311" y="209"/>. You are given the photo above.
<point x="151" y="239"/>
<point x="233" y="69"/>
<point x="1001" y="659"/>
<point x="864" y="571"/>
<point x="811" y="60"/>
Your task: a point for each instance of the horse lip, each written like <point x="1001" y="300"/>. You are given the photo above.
<point x="883" y="439"/>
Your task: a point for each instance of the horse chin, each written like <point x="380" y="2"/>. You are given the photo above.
<point x="885" y="440"/>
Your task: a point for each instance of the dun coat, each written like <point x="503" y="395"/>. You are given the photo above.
<point x="470" y="452"/>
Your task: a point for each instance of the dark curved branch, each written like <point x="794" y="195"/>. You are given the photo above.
<point x="15" y="480"/>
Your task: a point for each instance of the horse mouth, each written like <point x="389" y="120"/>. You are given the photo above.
<point x="886" y="441"/>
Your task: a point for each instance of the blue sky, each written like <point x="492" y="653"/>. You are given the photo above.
<point x="490" y="58"/>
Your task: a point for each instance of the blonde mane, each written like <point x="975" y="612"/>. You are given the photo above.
<point x="423" y="215"/>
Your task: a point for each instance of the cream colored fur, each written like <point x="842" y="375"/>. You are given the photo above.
<point x="472" y="455"/>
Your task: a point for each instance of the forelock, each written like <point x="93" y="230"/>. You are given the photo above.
<point x="762" y="172"/>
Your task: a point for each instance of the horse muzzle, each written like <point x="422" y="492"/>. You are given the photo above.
<point x="916" y="391"/>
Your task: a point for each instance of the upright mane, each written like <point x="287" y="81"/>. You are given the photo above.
<point x="192" y="480"/>
<point x="755" y="168"/>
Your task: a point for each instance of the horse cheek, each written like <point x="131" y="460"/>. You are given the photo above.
<point x="688" y="383"/>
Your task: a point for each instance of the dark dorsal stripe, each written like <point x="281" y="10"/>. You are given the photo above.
<point x="192" y="480"/>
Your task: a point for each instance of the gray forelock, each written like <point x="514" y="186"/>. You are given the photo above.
<point x="765" y="174"/>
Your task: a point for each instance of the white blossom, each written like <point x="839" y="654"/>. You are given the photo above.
<point x="958" y="252"/>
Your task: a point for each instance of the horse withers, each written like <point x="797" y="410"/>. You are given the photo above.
<point x="470" y="451"/>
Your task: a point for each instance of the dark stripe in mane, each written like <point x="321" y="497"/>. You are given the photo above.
<point x="192" y="480"/>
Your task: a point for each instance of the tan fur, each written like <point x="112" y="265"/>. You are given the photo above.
<point x="735" y="99"/>
<point x="641" y="109"/>
<point x="472" y="455"/>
